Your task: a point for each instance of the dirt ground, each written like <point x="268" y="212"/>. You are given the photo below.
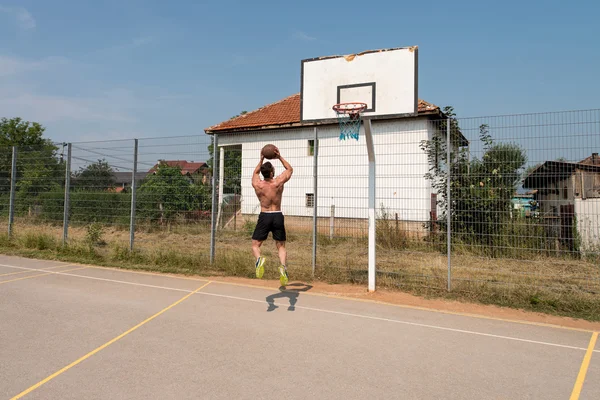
<point x="400" y="299"/>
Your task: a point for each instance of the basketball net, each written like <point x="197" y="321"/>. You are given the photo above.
<point x="348" y="115"/>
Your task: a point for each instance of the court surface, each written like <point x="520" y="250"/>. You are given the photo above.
<point x="74" y="332"/>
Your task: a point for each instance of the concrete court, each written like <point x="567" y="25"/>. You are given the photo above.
<point x="221" y="342"/>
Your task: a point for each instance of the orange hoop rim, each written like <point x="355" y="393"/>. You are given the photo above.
<point x="349" y="108"/>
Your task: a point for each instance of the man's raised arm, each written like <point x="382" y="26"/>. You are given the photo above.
<point x="256" y="173"/>
<point x="287" y="174"/>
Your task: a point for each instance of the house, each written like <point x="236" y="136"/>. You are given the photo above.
<point x="122" y="180"/>
<point x="568" y="194"/>
<point x="342" y="166"/>
<point x="191" y="169"/>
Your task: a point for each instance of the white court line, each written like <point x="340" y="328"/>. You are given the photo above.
<point x="38" y="269"/>
<point x="103" y="279"/>
<point x="406" y="323"/>
<point x="318" y="310"/>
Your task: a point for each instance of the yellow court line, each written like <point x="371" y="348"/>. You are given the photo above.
<point x="162" y="274"/>
<point x="105" y="345"/>
<point x="369" y="301"/>
<point x="47" y="273"/>
<point x="45" y="269"/>
<point x="584" y="367"/>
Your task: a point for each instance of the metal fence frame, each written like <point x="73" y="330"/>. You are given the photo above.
<point x="217" y="196"/>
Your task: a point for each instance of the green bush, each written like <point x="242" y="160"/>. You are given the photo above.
<point x="51" y="206"/>
<point x="102" y="207"/>
<point x="94" y="234"/>
<point x="4" y="204"/>
<point x="38" y="241"/>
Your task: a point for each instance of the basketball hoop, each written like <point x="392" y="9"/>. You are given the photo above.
<point x="348" y="115"/>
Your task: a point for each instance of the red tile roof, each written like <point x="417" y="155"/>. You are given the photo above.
<point x="283" y="112"/>
<point x="186" y="167"/>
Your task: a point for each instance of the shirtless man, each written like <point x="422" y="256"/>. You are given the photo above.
<point x="269" y="191"/>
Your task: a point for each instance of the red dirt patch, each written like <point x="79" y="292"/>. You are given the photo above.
<point x="441" y="305"/>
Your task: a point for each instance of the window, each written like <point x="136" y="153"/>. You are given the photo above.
<point x="565" y="193"/>
<point x="310" y="200"/>
<point x="311" y="147"/>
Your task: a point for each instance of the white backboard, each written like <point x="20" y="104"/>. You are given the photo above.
<point x="386" y="80"/>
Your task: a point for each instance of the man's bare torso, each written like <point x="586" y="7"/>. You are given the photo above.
<point x="270" y="189"/>
<point x="269" y="194"/>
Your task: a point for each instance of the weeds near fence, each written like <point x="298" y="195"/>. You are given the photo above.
<point x="94" y="234"/>
<point x="389" y="233"/>
<point x="552" y="285"/>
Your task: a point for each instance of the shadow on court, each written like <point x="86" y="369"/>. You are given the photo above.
<point x="286" y="292"/>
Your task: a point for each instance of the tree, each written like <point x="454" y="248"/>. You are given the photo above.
<point x="168" y="193"/>
<point x="16" y="132"/>
<point x="97" y="176"/>
<point x="38" y="166"/>
<point x="481" y="189"/>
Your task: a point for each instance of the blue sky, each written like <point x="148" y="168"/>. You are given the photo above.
<point x="93" y="70"/>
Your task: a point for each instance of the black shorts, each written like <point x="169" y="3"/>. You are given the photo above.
<point x="270" y="222"/>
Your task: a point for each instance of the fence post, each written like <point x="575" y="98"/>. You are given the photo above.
<point x="235" y="204"/>
<point x="372" y="265"/>
<point x="215" y="182"/>
<point x="332" y="222"/>
<point x="67" y="195"/>
<point x="13" y="187"/>
<point x="315" y="199"/>
<point x="449" y="204"/>
<point x="133" y="195"/>
<point x="221" y="185"/>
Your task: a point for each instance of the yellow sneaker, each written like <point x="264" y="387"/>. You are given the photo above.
<point x="283" y="276"/>
<point x="260" y="267"/>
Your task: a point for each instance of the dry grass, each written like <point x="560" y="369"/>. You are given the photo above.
<point x="559" y="286"/>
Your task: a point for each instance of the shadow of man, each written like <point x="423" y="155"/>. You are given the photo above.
<point x="291" y="294"/>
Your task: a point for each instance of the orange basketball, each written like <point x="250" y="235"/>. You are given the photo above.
<point x="269" y="151"/>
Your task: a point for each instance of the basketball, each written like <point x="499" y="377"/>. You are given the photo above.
<point x="269" y="151"/>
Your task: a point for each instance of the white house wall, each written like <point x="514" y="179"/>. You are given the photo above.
<point x="551" y="201"/>
<point x="343" y="169"/>
<point x="587" y="213"/>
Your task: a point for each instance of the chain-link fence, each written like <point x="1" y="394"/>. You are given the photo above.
<point x="525" y="201"/>
<point x="496" y="202"/>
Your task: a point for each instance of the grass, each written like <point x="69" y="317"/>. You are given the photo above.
<point x="559" y="286"/>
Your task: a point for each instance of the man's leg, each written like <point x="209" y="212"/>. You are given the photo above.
<point x="259" y="266"/>
<point x="280" y="237"/>
<point x="282" y="252"/>
<point x="258" y="237"/>
<point x="283" y="276"/>
<point x="256" y="248"/>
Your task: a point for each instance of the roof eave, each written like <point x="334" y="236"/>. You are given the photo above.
<point x="543" y="174"/>
<point x="331" y="121"/>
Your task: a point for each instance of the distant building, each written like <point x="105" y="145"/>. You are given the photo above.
<point x="567" y="192"/>
<point x="188" y="168"/>
<point x="123" y="180"/>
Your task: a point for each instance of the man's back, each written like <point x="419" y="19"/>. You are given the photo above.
<point x="269" y="194"/>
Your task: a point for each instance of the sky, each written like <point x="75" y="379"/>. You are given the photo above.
<point x="96" y="70"/>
